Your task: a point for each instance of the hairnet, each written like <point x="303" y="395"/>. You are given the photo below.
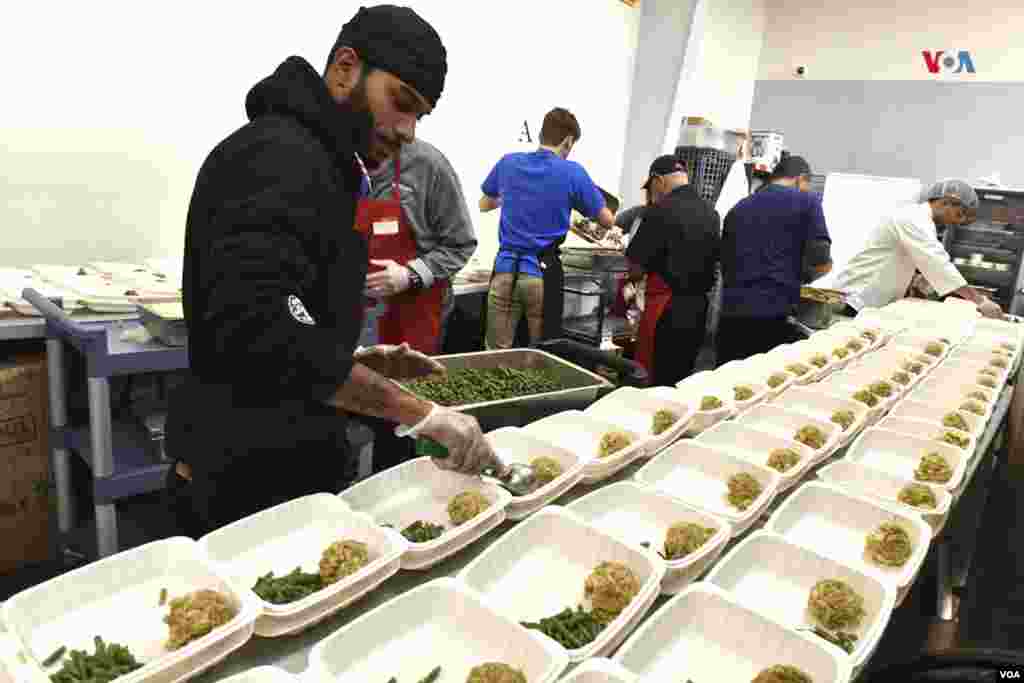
<point x="952" y="189"/>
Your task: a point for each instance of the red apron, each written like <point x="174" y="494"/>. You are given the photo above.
<point x="413" y="316"/>
<point x="656" y="299"/>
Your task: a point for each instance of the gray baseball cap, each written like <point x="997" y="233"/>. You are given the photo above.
<point x="952" y="189"/>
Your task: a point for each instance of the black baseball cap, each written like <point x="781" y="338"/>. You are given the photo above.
<point x="792" y="167"/>
<point x="666" y="164"/>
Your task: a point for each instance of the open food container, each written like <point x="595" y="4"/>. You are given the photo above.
<point x="975" y="368"/>
<point x="930" y="346"/>
<point x="844" y="385"/>
<point x="295" y="535"/>
<point x="774" y="577"/>
<point x="871" y="483"/>
<point x="935" y="387"/>
<point x="735" y="377"/>
<point x="264" y="674"/>
<point x="786" y="424"/>
<point x="705" y="634"/>
<point x="514" y="445"/>
<point x="933" y="431"/>
<point x="824" y="407"/>
<point x="697" y="390"/>
<point x="930" y="412"/>
<point x="756" y="370"/>
<point x="583" y="435"/>
<point x="900" y="454"/>
<point x="600" y="670"/>
<point x="836" y="524"/>
<point x="698" y="475"/>
<point x="439" y="624"/>
<point x="952" y="400"/>
<point x="417" y="490"/>
<point x="538" y="569"/>
<point x="805" y="353"/>
<point x="638" y="514"/>
<point x="634" y="410"/>
<point x="755" y="446"/>
<point x="580" y="387"/>
<point x="950" y="372"/>
<point x="119" y="598"/>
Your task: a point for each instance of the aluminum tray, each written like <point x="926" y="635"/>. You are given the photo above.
<point x="582" y="387"/>
<point x="165" y="326"/>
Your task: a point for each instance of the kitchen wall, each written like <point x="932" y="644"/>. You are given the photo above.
<point x="868" y="103"/>
<point x="110" y="110"/>
<point x="721" y="66"/>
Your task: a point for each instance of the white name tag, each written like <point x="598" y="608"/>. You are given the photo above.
<point x="385" y="228"/>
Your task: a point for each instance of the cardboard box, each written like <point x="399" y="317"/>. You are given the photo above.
<point x="25" y="510"/>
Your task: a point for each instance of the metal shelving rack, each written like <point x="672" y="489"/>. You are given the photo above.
<point x="998" y="237"/>
<point x="119" y="455"/>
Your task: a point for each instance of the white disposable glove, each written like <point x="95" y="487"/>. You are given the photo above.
<point x="990" y="309"/>
<point x="397" y="362"/>
<point x="394" y="279"/>
<point x="468" y="451"/>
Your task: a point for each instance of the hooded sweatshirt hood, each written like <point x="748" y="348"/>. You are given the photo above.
<point x="297" y="91"/>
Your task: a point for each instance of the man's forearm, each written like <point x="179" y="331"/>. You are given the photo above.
<point x="369" y="393"/>
<point x="606" y="219"/>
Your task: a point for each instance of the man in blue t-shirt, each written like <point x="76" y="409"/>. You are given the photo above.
<point x="772" y="242"/>
<point x="536" y="192"/>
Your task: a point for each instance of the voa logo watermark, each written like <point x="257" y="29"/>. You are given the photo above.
<point x="948" y="61"/>
<point x="1009" y="675"/>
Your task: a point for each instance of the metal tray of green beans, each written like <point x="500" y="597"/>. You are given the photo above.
<point x="580" y="387"/>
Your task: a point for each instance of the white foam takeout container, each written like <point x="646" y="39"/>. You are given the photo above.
<point x="821" y="406"/>
<point x="836" y="524"/>
<point x="419" y="490"/>
<point x="441" y="623"/>
<point x="864" y="481"/>
<point x="633" y="409"/>
<point x="264" y="674"/>
<point x="949" y="400"/>
<point x="640" y="514"/>
<point x="514" y="445"/>
<point x="898" y="454"/>
<point x="705" y="634"/>
<point x="600" y="670"/>
<point x="756" y="369"/>
<point x="295" y="534"/>
<point x="692" y="390"/>
<point x="118" y="599"/>
<point x="931" y="412"/>
<point x="755" y="446"/>
<point x="581" y="434"/>
<point x="972" y="368"/>
<point x="949" y="372"/>
<point x="698" y="475"/>
<point x="844" y="385"/>
<point x="774" y="577"/>
<point x="538" y="569"/>
<point x="923" y="429"/>
<point x="784" y="424"/>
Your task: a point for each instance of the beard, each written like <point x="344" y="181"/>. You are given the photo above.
<point x="383" y="145"/>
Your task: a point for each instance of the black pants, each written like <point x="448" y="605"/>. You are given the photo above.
<point x="741" y="337"/>
<point x="388" y="450"/>
<point x="678" y="338"/>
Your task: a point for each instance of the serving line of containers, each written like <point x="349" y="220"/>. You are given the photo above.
<point x="748" y="612"/>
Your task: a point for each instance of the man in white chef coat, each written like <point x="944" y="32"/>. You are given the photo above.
<point x="906" y="241"/>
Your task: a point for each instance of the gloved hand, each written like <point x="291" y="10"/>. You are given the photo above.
<point x="990" y="309"/>
<point x="394" y="279"/>
<point x="468" y="451"/>
<point x="397" y="362"/>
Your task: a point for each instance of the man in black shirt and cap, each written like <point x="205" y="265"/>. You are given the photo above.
<point x="274" y="277"/>
<point x="676" y="246"/>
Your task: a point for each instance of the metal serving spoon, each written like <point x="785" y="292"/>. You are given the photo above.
<point x="518" y="479"/>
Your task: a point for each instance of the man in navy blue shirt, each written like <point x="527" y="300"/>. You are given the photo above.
<point x="536" y="192"/>
<point x="772" y="242"/>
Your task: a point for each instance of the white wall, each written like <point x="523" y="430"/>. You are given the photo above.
<point x="883" y="40"/>
<point x="721" y="66"/>
<point x="665" y="27"/>
<point x="110" y="108"/>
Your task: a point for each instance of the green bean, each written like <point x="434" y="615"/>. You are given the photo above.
<point x="432" y="676"/>
<point x="109" y="662"/>
<point x="465" y="386"/>
<point x="291" y="587"/>
<point x="55" y="657"/>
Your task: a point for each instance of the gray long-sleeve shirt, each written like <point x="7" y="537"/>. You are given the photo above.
<point x="435" y="207"/>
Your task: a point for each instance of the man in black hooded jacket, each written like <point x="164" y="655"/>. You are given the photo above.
<point x="274" y="279"/>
